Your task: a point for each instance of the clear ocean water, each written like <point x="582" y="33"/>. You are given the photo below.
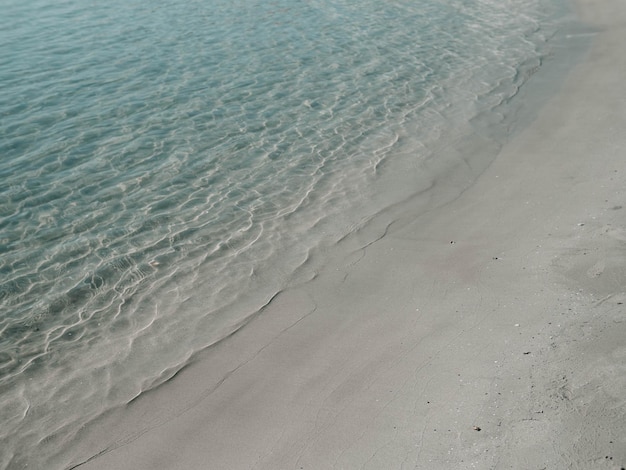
<point x="167" y="167"/>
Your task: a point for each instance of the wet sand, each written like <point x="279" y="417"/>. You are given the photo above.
<point x="485" y="333"/>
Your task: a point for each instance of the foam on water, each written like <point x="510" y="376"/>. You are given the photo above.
<point x="168" y="167"/>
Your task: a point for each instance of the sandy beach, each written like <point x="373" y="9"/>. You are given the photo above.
<point x="486" y="332"/>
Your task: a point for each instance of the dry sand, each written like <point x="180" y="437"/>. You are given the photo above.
<point x="503" y="349"/>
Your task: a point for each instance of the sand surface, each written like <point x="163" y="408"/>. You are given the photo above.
<point x="488" y="333"/>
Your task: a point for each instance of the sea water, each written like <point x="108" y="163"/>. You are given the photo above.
<point x="167" y="167"/>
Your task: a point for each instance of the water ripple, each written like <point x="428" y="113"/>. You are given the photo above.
<point x="167" y="167"/>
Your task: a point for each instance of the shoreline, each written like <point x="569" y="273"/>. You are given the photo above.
<point x="486" y="333"/>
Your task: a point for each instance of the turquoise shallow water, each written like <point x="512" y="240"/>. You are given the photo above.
<point x="167" y="167"/>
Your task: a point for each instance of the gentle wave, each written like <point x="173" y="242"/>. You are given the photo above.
<point x="169" y="167"/>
